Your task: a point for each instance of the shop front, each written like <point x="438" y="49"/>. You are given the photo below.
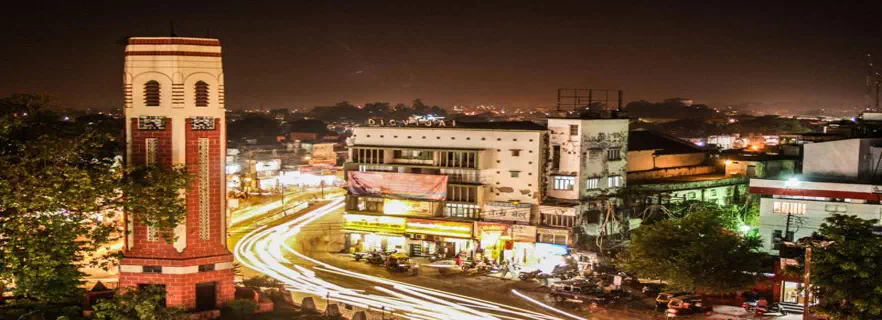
<point x="524" y="238"/>
<point x="494" y="239"/>
<point x="366" y="233"/>
<point x="447" y="238"/>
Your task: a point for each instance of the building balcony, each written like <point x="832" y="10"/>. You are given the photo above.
<point x="418" y="157"/>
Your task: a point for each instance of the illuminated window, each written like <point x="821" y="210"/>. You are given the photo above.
<point x="787" y="207"/>
<point x="201" y="94"/>
<point x="564" y="182"/>
<point x="614" y="181"/>
<point x="592" y="183"/>
<point x="151" y="93"/>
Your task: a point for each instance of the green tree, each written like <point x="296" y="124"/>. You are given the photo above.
<point x="137" y="304"/>
<point x="693" y="252"/>
<point x="61" y="182"/>
<point x="845" y="275"/>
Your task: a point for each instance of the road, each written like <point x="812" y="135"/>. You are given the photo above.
<point x="288" y="251"/>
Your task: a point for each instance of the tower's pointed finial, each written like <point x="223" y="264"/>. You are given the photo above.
<point x="171" y="27"/>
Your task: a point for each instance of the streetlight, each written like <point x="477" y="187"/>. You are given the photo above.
<point x="808" y="244"/>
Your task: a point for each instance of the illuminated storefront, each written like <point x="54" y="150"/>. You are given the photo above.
<point x="366" y="233"/>
<point x="524" y="238"/>
<point x="437" y="236"/>
<point x="494" y="238"/>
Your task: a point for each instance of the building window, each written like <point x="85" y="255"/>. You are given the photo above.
<point x="151" y="93"/>
<point x="151" y="269"/>
<point x="206" y="267"/>
<point x="370" y="204"/>
<point x="557" y="220"/>
<point x="461" y="210"/>
<point x="574" y="130"/>
<point x="614" y="154"/>
<point x="592" y="183"/>
<point x="515" y="174"/>
<point x="201" y="94"/>
<point x="515" y="152"/>
<point x="614" y="181"/>
<point x="553" y="238"/>
<point x="564" y="182"/>
<point x="204" y="190"/>
<point x="787" y="207"/>
<point x="413" y="155"/>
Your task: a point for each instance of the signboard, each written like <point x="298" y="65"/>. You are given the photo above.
<point x="522" y="233"/>
<point x="497" y="229"/>
<point x="440" y="228"/>
<point x="408" y="207"/>
<point x="399" y="185"/>
<point x="507" y="211"/>
<point x="556" y="232"/>
<point x="373" y="223"/>
<point x="562" y="211"/>
<point x="411" y="123"/>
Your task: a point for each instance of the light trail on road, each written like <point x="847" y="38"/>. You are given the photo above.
<point x="262" y="250"/>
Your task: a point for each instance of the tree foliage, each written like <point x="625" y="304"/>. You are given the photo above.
<point x="137" y="304"/>
<point x="845" y="275"/>
<point x="694" y="252"/>
<point x="61" y="185"/>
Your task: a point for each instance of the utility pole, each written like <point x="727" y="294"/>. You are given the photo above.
<point x="808" y="283"/>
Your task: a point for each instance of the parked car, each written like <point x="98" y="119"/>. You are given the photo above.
<point x="581" y="290"/>
<point x="689" y="304"/>
<point x="398" y="262"/>
<point x="663" y="298"/>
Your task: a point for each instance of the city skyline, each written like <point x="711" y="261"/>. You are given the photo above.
<point x="300" y="56"/>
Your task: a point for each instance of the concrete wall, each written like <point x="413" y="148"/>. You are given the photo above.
<point x="647" y="160"/>
<point x="853" y="159"/>
<point x="668" y="173"/>
<point x="496" y="158"/>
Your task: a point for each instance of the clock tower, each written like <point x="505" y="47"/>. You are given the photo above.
<point x="174" y="110"/>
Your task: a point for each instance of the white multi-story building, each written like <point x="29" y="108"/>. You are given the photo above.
<point x="587" y="169"/>
<point x="492" y="175"/>
<point x="511" y="189"/>
<point x="837" y="177"/>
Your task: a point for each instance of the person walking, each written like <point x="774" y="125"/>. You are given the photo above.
<point x="505" y="269"/>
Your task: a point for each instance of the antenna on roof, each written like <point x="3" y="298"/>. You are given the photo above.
<point x="171" y="27"/>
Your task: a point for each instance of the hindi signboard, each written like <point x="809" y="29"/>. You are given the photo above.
<point x="399" y="185"/>
<point x="507" y="211"/>
<point x="439" y="228"/>
<point x="522" y="233"/>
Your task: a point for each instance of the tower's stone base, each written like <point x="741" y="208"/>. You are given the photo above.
<point x="181" y="279"/>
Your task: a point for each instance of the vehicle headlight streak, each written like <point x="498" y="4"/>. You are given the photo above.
<point x="261" y="250"/>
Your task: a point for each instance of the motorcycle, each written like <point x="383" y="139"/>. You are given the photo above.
<point x="435" y="257"/>
<point x="529" y="275"/>
<point x="376" y="258"/>
<point x="564" y="272"/>
<point x="358" y="256"/>
<point x="770" y="309"/>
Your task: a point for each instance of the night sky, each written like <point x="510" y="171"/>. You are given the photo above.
<point x="303" y="55"/>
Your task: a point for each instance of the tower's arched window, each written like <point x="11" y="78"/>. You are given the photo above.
<point x="151" y="93"/>
<point x="201" y="94"/>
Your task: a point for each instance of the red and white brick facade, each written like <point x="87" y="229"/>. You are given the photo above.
<point x="181" y="123"/>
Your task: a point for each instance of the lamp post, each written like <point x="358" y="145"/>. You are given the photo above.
<point x="808" y="244"/>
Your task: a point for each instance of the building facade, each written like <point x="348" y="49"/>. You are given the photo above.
<point x="838" y="177"/>
<point x="464" y="189"/>
<point x="174" y="110"/>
